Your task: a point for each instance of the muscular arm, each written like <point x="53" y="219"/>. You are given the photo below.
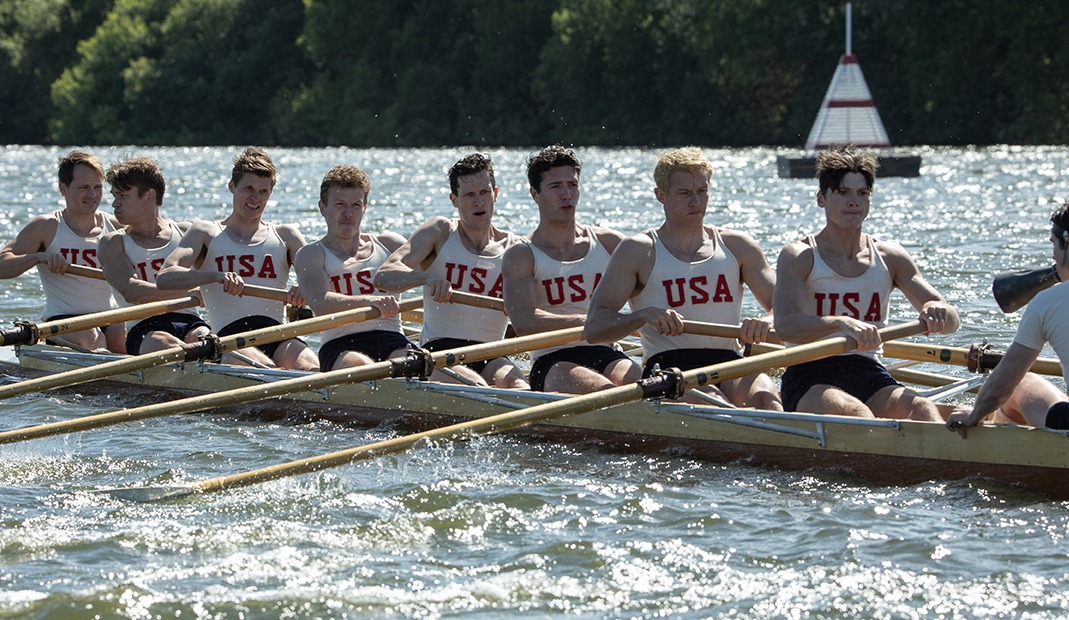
<point x="627" y="273"/>
<point x="27" y="249"/>
<point x="758" y="276"/>
<point x="521" y="296"/>
<point x="121" y="274"/>
<point x="310" y="264"/>
<point x="788" y="305"/>
<point x="940" y="317"/>
<point x="181" y="269"/>
<point x="405" y="267"/>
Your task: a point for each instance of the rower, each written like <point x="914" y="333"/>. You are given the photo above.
<point x="69" y="236"/>
<point x="1022" y="396"/>
<point x="462" y="253"/>
<point x="132" y="256"/>
<point x="837" y="282"/>
<point x="550" y="278"/>
<point x="221" y="257"/>
<point x="336" y="274"/>
<point x="686" y="268"/>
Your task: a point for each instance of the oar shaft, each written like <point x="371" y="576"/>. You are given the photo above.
<point x="555" y="410"/>
<point x="252" y="290"/>
<point x="960" y="357"/>
<point x="312" y="382"/>
<point x="98" y="319"/>
<point x="190" y="353"/>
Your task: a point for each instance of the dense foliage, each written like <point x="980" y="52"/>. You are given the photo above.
<point x="522" y="72"/>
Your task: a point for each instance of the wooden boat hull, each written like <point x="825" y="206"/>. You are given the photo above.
<point x="912" y="453"/>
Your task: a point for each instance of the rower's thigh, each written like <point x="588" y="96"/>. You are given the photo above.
<point x="901" y="403"/>
<point x="822" y="398"/>
<point x="347" y="359"/>
<point x="623" y="371"/>
<point x="503" y="372"/>
<point x="1032" y="399"/>
<point x="157" y="340"/>
<point x="757" y="391"/>
<point x="115" y="337"/>
<point x="295" y="355"/>
<point x="571" y="378"/>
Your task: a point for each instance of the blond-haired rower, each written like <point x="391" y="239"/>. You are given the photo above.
<point x="687" y="269"/>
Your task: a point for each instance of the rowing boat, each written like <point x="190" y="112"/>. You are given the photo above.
<point x="885" y="451"/>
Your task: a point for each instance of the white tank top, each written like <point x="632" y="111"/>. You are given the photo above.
<point x="69" y="294"/>
<point x="468" y="273"/>
<point x="567" y="286"/>
<point x="265" y="263"/>
<point x="354" y="277"/>
<point x="863" y="297"/>
<point x="709" y="290"/>
<point x="148" y="262"/>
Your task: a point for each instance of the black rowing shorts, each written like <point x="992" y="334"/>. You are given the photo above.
<point x="377" y="344"/>
<point x="177" y="324"/>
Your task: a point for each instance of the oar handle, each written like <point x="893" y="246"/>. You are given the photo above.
<point x="721" y="330"/>
<point x="791" y="356"/>
<point x="252" y="290"/>
<point x="478" y="301"/>
<point x="30" y="333"/>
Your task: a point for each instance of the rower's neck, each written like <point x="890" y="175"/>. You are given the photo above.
<point x="347" y="247"/>
<point x="476" y="239"/>
<point x="243" y="229"/>
<point x="844" y="241"/>
<point x="149" y="230"/>
<point x="686" y="243"/>
<point x="81" y="224"/>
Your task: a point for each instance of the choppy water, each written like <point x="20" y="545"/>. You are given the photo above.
<point x="500" y="526"/>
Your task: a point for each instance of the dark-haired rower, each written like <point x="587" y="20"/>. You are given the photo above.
<point x="459" y="254"/>
<point x="838" y="282"/>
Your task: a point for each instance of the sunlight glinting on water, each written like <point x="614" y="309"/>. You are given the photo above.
<point x="498" y="526"/>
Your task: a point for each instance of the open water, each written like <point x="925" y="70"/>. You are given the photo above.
<point x="505" y="525"/>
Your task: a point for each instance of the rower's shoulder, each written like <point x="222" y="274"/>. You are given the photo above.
<point x="390" y="240"/>
<point x="290" y="233"/>
<point x="310" y="254"/>
<point x="610" y="238"/>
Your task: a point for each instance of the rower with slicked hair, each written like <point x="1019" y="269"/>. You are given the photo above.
<point x="551" y="277"/>
<point x="69" y="236"/>
<point x="337" y="272"/>
<point x="459" y="254"/>
<point x="220" y="257"/>
<point x="837" y="282"/>
<point x="132" y="256"/>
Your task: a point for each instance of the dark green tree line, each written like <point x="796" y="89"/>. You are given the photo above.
<point x="522" y="72"/>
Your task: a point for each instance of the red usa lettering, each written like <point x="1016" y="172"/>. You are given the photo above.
<point x="851" y="301"/>
<point x="577" y="291"/>
<point x="246" y="266"/>
<point x="676" y="291"/>
<point x="88" y="255"/>
<point x="343" y="283"/>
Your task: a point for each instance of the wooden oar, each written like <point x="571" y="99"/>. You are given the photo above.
<point x="976" y="359"/>
<point x="411" y="365"/>
<point x="655" y="387"/>
<point x="207" y="348"/>
<point x="252" y="290"/>
<point x="29" y="333"/>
